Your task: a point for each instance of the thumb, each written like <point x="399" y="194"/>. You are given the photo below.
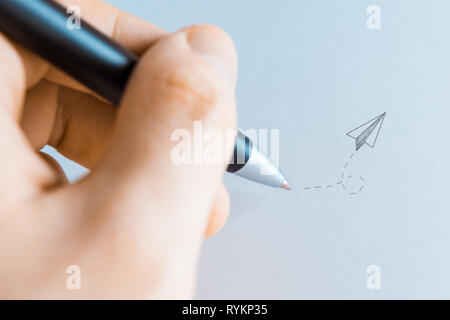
<point x="183" y="83"/>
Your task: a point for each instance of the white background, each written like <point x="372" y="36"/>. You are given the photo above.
<point x="313" y="70"/>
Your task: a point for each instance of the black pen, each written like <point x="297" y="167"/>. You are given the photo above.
<point x="104" y="66"/>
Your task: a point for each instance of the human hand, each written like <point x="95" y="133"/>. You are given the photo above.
<point x="136" y="224"/>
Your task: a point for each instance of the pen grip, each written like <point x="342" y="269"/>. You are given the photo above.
<point x="87" y="55"/>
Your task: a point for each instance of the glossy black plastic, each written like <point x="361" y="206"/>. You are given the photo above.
<point x="43" y="27"/>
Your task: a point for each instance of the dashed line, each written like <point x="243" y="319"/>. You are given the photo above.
<point x="349" y="177"/>
<point x="341" y="181"/>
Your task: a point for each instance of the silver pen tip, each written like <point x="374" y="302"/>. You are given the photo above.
<point x="286" y="185"/>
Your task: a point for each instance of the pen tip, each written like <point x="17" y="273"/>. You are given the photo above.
<point x="286" y="185"/>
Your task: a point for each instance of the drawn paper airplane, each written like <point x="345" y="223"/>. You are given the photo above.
<point x="367" y="133"/>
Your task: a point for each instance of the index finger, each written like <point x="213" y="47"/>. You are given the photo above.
<point x="130" y="31"/>
<point x="20" y="71"/>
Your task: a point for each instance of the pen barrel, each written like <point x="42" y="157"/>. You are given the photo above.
<point x="101" y="64"/>
<point x="242" y="152"/>
<point x="90" y="57"/>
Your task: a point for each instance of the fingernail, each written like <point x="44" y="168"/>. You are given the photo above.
<point x="216" y="48"/>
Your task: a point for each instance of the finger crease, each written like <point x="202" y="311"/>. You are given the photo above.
<point x="60" y="123"/>
<point x="115" y="26"/>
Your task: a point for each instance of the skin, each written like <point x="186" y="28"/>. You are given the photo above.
<point x="136" y="224"/>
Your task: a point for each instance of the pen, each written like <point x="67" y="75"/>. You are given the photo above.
<point x="104" y="66"/>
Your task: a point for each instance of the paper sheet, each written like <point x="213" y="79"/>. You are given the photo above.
<point x="315" y="71"/>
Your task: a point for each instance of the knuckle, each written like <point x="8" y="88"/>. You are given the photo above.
<point x="194" y="88"/>
<point x="191" y="73"/>
<point x="216" y="34"/>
